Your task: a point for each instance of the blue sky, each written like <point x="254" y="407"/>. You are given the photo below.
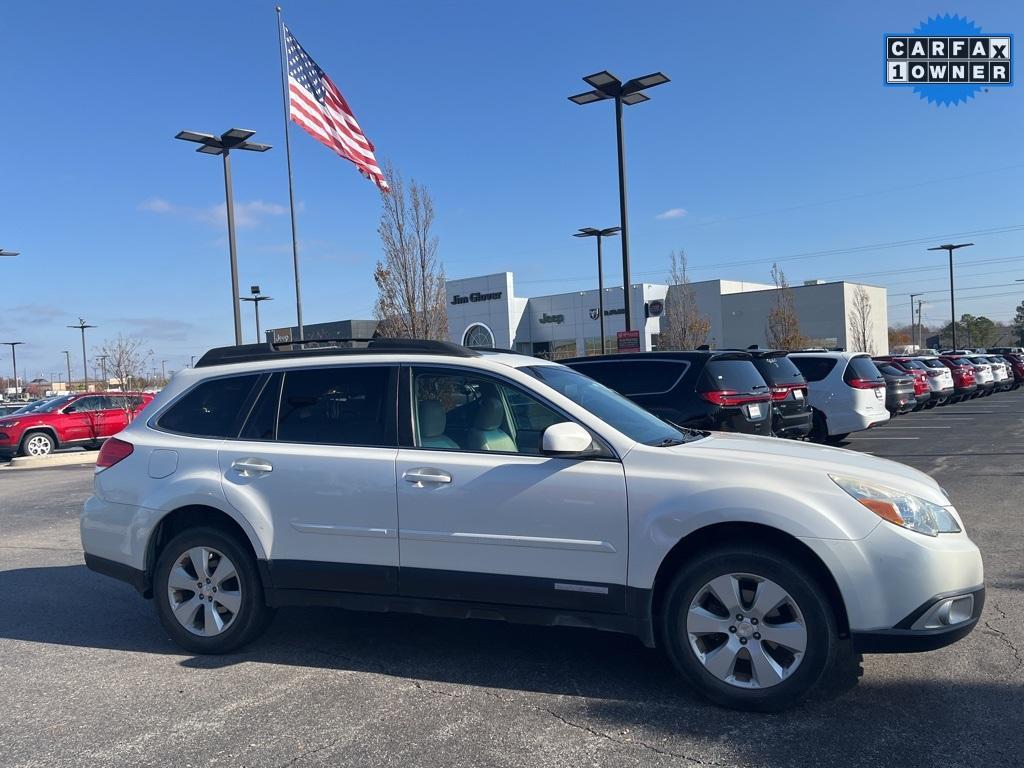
<point x="776" y="138"/>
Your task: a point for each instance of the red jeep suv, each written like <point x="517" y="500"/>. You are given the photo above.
<point x="85" y="418"/>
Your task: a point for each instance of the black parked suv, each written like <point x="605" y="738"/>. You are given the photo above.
<point x="704" y="390"/>
<point x="792" y="416"/>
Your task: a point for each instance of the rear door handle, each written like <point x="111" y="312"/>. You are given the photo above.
<point x="426" y="476"/>
<point x="252" y="467"/>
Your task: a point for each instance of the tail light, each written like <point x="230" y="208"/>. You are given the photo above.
<point x="782" y="392"/>
<point x="113" y="451"/>
<point x="731" y="397"/>
<point x="866" y="383"/>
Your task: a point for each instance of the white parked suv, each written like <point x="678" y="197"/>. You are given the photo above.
<point x="845" y="390"/>
<point x="427" y="477"/>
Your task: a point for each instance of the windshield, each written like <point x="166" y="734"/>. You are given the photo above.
<point x="979" y="361"/>
<point x="932" y="363"/>
<point x="778" y="370"/>
<point x="612" y="408"/>
<point x="915" y="365"/>
<point x="47" y="406"/>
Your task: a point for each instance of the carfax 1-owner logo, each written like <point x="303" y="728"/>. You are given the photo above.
<point x="948" y="59"/>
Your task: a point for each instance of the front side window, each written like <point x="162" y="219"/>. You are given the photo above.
<point x="471" y="412"/>
<point x="612" y="408"/>
<point x="211" y="409"/>
<point x="345" y="405"/>
<point x="94" y="403"/>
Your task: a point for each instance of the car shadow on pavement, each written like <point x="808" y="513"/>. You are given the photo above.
<point x="604" y="683"/>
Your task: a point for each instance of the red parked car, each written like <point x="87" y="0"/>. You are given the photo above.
<point x="916" y="369"/>
<point x="85" y="419"/>
<point x="963" y="377"/>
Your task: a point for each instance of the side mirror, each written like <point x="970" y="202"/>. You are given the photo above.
<point x="565" y="439"/>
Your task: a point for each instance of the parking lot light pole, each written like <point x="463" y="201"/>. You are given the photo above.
<point x="236" y="138"/>
<point x="952" y="301"/>
<point x="913" y="334"/>
<point x="67" y="359"/>
<point x="103" y="369"/>
<point x="82" y="325"/>
<point x="599" y="233"/>
<point x="14" y="361"/>
<point x="608" y="86"/>
<point x="256" y="298"/>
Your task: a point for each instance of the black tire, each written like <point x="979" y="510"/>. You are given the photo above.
<point x="253" y="615"/>
<point x="819" y="428"/>
<point x="42" y="438"/>
<point x="823" y="643"/>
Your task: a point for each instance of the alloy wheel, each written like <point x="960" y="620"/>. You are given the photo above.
<point x="204" y="591"/>
<point x="38" y="445"/>
<point x="746" y="630"/>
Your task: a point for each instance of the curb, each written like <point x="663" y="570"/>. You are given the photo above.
<point x="53" y="460"/>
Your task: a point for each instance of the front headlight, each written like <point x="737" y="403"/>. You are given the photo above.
<point x="6" y="424"/>
<point x="911" y="512"/>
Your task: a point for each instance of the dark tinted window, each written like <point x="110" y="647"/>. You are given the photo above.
<point x="734" y="375"/>
<point x="957" y="361"/>
<point x="263" y="417"/>
<point x="814" y="368"/>
<point x="347" y="405"/>
<point x="863" y="368"/>
<point x="212" y="409"/>
<point x="931" y="363"/>
<point x="778" y="370"/>
<point x="890" y="370"/>
<point x="635" y="377"/>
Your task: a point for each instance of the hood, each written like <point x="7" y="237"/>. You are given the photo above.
<point x="795" y="456"/>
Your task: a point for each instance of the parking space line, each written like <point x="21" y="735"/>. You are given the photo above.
<point x="901" y="426"/>
<point x="868" y="437"/>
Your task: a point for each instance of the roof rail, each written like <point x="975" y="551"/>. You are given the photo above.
<point x="247" y="353"/>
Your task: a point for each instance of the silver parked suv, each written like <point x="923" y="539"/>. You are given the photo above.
<point x="427" y="477"/>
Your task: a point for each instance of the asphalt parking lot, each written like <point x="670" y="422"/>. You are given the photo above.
<point x="89" y="678"/>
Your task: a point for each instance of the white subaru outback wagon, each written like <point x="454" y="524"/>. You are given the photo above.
<point x="427" y="477"/>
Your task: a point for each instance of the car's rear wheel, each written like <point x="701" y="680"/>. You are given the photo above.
<point x="819" y="428"/>
<point x="208" y="593"/>
<point x="37" y="444"/>
<point x="749" y="628"/>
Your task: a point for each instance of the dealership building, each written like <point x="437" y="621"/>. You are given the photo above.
<point x="484" y="311"/>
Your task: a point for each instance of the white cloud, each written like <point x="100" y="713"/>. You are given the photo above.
<point x="156" y="205"/>
<point x="247" y="214"/>
<point x="672" y="213"/>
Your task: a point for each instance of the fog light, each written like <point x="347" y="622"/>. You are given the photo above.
<point x="947" y="613"/>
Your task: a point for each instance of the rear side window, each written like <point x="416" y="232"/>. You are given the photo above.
<point x="636" y="377"/>
<point x="864" y="368"/>
<point x="346" y="405"/>
<point x="262" y="421"/>
<point x="814" y="368"/>
<point x="778" y="370"/>
<point x="734" y="375"/>
<point x="211" y="409"/>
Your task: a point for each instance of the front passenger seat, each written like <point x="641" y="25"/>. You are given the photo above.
<point x="432" y="422"/>
<point x="487" y="434"/>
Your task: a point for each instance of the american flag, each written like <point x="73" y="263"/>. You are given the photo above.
<point x="315" y="103"/>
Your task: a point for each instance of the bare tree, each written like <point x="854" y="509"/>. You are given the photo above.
<point x="783" y="329"/>
<point x="682" y="326"/>
<point x="860" y="323"/>
<point x="410" y="281"/>
<point x="127" y="361"/>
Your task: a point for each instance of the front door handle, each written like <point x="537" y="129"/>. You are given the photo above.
<point x="252" y="467"/>
<point x="426" y="476"/>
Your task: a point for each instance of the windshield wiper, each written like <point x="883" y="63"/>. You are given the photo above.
<point x="668" y="442"/>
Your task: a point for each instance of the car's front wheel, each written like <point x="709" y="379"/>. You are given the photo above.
<point x="37" y="444"/>
<point x="208" y="593"/>
<point x="748" y="628"/>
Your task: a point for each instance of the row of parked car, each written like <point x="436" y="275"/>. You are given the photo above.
<point x="820" y="395"/>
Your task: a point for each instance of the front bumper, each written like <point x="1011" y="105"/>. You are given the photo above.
<point x="905" y="637"/>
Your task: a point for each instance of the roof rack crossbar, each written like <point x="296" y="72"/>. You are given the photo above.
<point x="271" y="351"/>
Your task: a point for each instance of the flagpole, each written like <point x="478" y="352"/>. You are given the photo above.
<point x="288" y="153"/>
